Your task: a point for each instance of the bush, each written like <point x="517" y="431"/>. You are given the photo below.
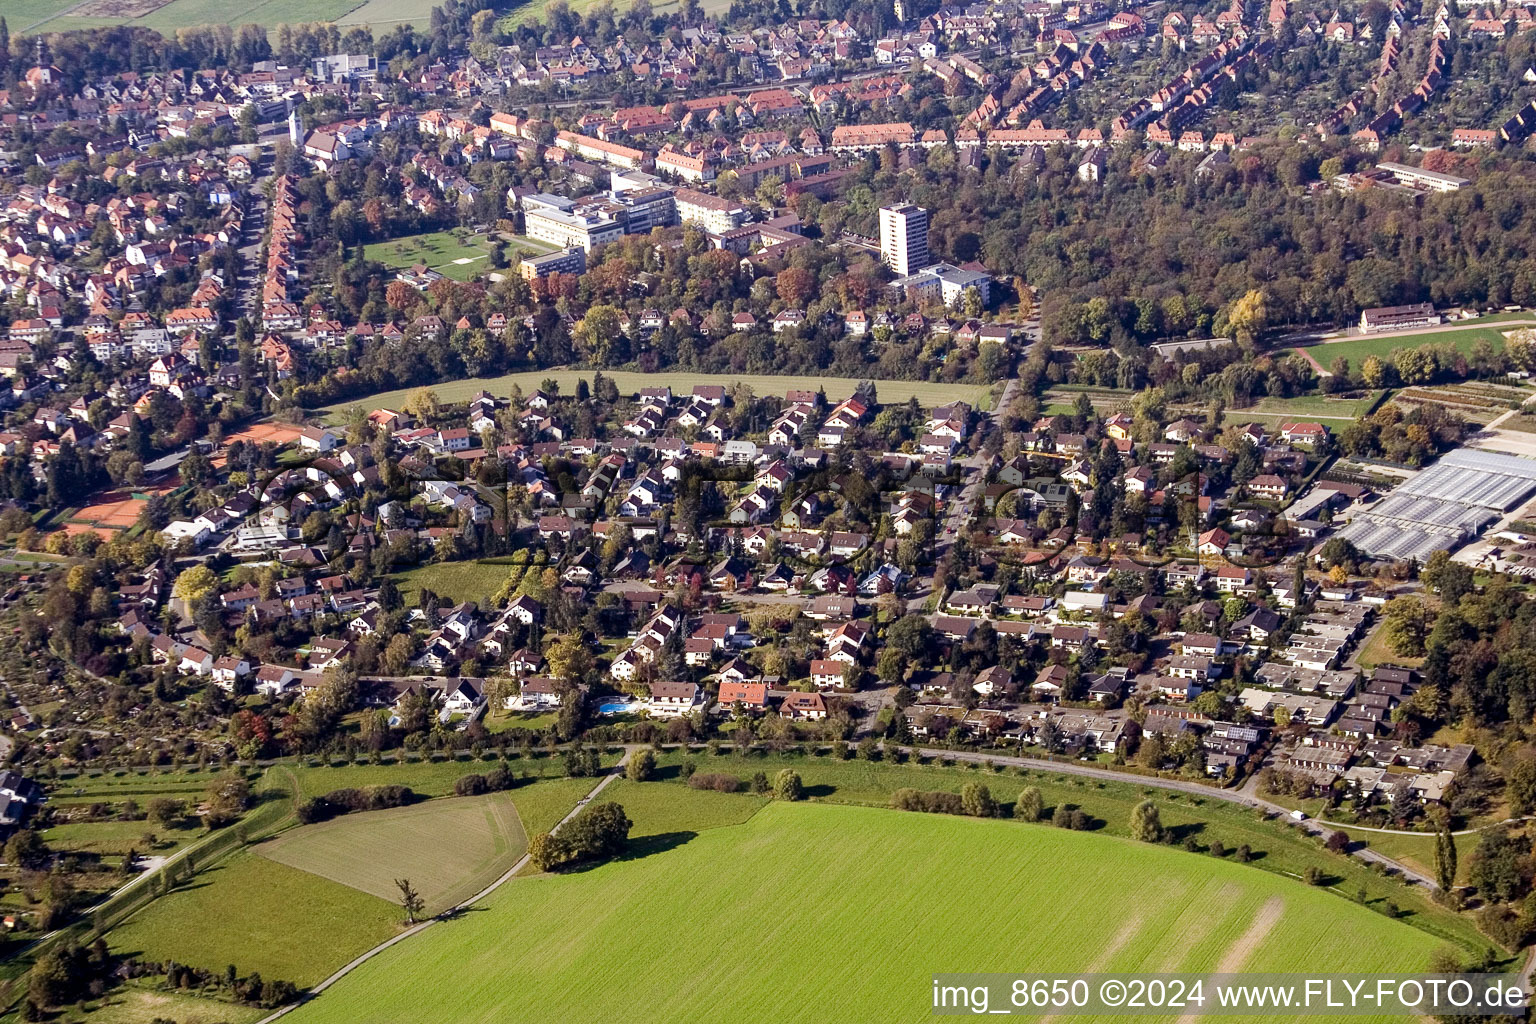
<point x="1062" y="818"/>
<point x="1312" y="875"/>
<point x="688" y="768"/>
<point x="1244" y="854"/>
<point x="471" y="785"/>
<point x="976" y="800"/>
<point x="1338" y="842"/>
<point x="1146" y="822"/>
<point x="720" y="782"/>
<point x="641" y="767"/>
<point x="311" y="811"/>
<point x="1217" y="849"/>
<point x="760" y="784"/>
<point x="787" y="785"/>
<point x="908" y="799"/>
<point x="1029" y="806"/>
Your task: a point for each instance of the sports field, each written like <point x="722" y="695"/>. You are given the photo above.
<point x="630" y="382"/>
<point x="817" y="913"/>
<point x="1383" y="345"/>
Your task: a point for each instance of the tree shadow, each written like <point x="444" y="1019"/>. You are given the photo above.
<point x="1180" y="833"/>
<point x="819" y="791"/>
<point x="647" y="846"/>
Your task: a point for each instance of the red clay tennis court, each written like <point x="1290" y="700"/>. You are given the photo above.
<point x="260" y="433"/>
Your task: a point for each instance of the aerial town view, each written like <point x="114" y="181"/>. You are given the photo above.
<point x="828" y="511"/>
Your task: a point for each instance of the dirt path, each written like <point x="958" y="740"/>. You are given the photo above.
<point x="1238" y="953"/>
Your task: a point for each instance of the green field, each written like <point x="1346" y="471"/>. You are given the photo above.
<point x="816" y="913"/>
<point x="630" y="382"/>
<point x="260" y="916"/>
<point x="457" y="581"/>
<point x="1277" y="848"/>
<point x="368" y="851"/>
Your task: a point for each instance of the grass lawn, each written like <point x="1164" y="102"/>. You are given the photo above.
<point x="144" y="1002"/>
<point x="661" y="808"/>
<point x="630" y="382"/>
<point x="457" y="581"/>
<point x="1377" y="652"/>
<point x="1418" y="852"/>
<point x="439" y="250"/>
<point x="501" y="721"/>
<point x="799" y="887"/>
<point x="487" y="840"/>
<point x="260" y="916"/>
<point x="115" y="838"/>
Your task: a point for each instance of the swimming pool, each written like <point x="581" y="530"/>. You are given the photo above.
<point x="615" y="707"/>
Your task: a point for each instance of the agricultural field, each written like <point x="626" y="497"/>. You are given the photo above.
<point x="386" y="14"/>
<point x="1474" y="401"/>
<point x="252" y="911"/>
<point x="1277" y="848"/>
<point x="1052" y="899"/>
<point x="260" y="916"/>
<point x="630" y="382"/>
<point x="64" y="15"/>
<point x="659" y="809"/>
<point x="487" y="836"/>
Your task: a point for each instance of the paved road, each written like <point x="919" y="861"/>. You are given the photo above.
<point x="613" y="773"/>
<point x="1194" y="788"/>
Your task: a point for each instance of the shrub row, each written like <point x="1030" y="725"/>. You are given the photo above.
<point x="344" y="801"/>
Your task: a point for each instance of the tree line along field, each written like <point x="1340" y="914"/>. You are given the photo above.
<point x="629" y="382"/>
<point x="807" y="911"/>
